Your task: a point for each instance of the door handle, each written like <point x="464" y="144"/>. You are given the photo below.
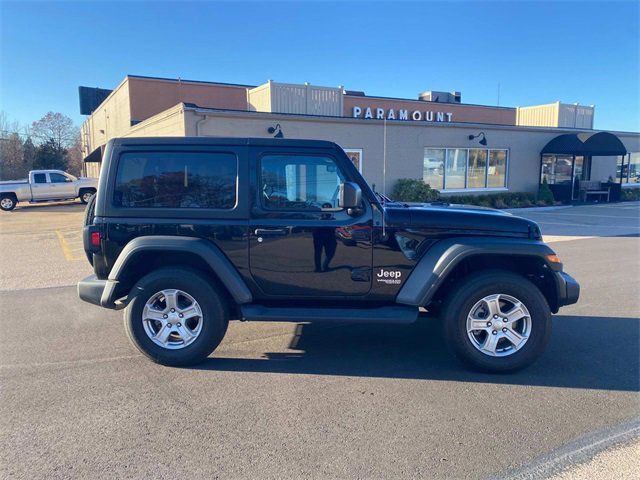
<point x="271" y="232"/>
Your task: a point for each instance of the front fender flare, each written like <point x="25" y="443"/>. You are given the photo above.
<point x="434" y="266"/>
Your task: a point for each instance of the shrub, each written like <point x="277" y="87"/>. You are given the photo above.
<point x="630" y="194"/>
<point x="494" y="200"/>
<point x="545" y="195"/>
<point x="411" y="190"/>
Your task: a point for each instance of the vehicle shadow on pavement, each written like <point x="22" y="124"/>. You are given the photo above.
<point x="585" y="352"/>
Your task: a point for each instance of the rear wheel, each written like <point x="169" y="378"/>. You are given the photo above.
<point x="86" y="195"/>
<point x="176" y="317"/>
<point x="497" y="321"/>
<point x="7" y="203"/>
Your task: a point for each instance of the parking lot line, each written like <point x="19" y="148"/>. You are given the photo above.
<point x="66" y="248"/>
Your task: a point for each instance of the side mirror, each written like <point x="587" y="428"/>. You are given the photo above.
<point x="350" y="196"/>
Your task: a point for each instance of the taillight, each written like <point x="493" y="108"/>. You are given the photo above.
<point x="95" y="239"/>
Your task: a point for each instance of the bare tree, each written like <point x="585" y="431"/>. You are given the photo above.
<point x="57" y="127"/>
<point x="11" y="152"/>
<point x="74" y="157"/>
<point x="11" y="157"/>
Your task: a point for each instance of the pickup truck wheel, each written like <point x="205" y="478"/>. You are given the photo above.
<point x="86" y="196"/>
<point x="7" y="203"/>
<point x="497" y="321"/>
<point x="176" y="317"/>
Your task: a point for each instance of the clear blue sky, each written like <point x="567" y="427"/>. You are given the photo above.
<point x="538" y="52"/>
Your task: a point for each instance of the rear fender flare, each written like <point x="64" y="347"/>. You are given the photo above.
<point x="204" y="249"/>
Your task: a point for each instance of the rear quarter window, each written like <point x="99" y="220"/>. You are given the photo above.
<point x="176" y="180"/>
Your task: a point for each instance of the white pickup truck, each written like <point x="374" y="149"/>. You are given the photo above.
<point x="46" y="186"/>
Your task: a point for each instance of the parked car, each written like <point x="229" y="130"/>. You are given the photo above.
<point x="188" y="233"/>
<point x="46" y="186"/>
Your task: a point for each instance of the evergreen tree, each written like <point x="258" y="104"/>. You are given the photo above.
<point x="50" y="155"/>
<point x="545" y="194"/>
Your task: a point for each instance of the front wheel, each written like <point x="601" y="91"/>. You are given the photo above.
<point x="176" y="317"/>
<point x="7" y="203"/>
<point x="497" y="321"/>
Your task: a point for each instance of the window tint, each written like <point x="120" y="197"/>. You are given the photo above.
<point x="176" y="180"/>
<point x="39" y="178"/>
<point x="57" y="178"/>
<point x="299" y="182"/>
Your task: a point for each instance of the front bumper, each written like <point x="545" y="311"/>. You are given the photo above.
<point x="568" y="290"/>
<point x="98" y="292"/>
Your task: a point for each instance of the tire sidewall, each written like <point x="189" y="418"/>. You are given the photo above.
<point x="85" y="192"/>
<point x="473" y="290"/>
<point x="214" y="316"/>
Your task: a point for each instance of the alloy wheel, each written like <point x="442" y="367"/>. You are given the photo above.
<point x="172" y="319"/>
<point x="499" y="325"/>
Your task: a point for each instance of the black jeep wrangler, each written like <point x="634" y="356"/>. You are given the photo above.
<point x="187" y="233"/>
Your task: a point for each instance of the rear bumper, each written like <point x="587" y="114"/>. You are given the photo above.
<point x="98" y="292"/>
<point x="568" y="289"/>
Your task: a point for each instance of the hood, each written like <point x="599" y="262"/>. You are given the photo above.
<point x="459" y="220"/>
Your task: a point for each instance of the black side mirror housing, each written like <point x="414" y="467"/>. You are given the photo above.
<point x="350" y="196"/>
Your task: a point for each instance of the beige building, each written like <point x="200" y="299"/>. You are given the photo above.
<point x="455" y="147"/>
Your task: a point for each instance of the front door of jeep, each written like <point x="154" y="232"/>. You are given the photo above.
<point x="301" y="241"/>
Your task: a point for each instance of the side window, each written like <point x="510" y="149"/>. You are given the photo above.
<point x="39" y="178"/>
<point x="297" y="182"/>
<point x="176" y="180"/>
<point x="57" y="178"/>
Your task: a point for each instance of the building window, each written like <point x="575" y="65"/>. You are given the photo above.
<point x="497" y="172"/>
<point x="355" y="155"/>
<point x="433" y="167"/>
<point x="629" y="168"/>
<point x="465" y="168"/>
<point x="455" y="169"/>
<point x="476" y="175"/>
<point x="556" y="169"/>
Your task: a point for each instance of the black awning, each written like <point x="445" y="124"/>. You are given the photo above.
<point x="594" y="144"/>
<point x="95" y="156"/>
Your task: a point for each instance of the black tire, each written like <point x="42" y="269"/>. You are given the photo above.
<point x="89" y="214"/>
<point x="477" y="286"/>
<point x="215" y="318"/>
<point x="8" y="202"/>
<point x="82" y="195"/>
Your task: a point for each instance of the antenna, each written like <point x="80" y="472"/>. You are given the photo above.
<point x="384" y="172"/>
<point x="498" y="93"/>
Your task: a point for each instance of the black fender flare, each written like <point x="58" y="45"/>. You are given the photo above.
<point x="204" y="249"/>
<point x="437" y="262"/>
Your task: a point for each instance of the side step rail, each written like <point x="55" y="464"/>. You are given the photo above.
<point x="390" y="314"/>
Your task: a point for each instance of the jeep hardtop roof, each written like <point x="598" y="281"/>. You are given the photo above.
<point x="270" y="142"/>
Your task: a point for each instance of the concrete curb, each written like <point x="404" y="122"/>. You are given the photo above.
<point x="574" y="453"/>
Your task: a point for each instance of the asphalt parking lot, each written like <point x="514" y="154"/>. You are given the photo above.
<point x="291" y="401"/>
